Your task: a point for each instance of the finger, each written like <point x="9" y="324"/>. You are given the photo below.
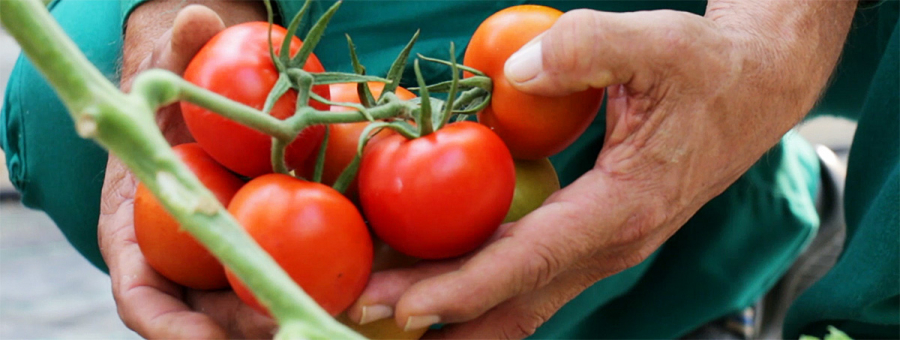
<point x="590" y="49"/>
<point x="520" y="317"/>
<point x="147" y="303"/>
<point x="572" y="226"/>
<point x="154" y="314"/>
<point x="385" y="289"/>
<point x="227" y="309"/>
<point x="193" y="27"/>
<point x="387" y="285"/>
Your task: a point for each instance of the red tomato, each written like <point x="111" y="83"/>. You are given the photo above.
<point x="313" y="232"/>
<point x="438" y="196"/>
<point x="343" y="138"/>
<point x="236" y="64"/>
<point x="170" y="250"/>
<point x="532" y="126"/>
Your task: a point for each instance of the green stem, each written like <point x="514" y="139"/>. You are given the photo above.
<point x="163" y="87"/>
<point x="304" y="82"/>
<point x="454" y="86"/>
<point x="125" y="125"/>
<point x="320" y="158"/>
<point x="426" y="126"/>
<point x="278" y="147"/>
<point x="464" y="103"/>
<point x="390" y="109"/>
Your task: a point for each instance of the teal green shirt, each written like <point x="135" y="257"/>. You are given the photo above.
<point x="861" y="294"/>
<point x="723" y="259"/>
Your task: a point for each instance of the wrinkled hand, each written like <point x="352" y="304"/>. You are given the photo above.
<point x="148" y="303"/>
<point x="693" y="102"/>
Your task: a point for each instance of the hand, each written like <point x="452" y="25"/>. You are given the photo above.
<point x="148" y="303"/>
<point x="693" y="102"/>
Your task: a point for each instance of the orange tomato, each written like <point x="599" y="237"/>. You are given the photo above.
<point x="532" y="126"/>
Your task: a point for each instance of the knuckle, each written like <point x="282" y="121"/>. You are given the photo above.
<point x="630" y="260"/>
<point x="542" y="268"/>
<point x="522" y="327"/>
<point x="465" y="310"/>
<point x="127" y="317"/>
<point x="674" y="40"/>
<point x="641" y="224"/>
<point x="643" y="253"/>
<point x="675" y="35"/>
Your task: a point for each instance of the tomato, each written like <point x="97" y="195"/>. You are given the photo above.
<point x="535" y="181"/>
<point x="171" y="251"/>
<point x="532" y="126"/>
<point x="236" y="64"/>
<point x="438" y="196"/>
<point x="343" y="138"/>
<point x="313" y="232"/>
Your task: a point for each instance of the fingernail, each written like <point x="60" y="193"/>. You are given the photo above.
<point x="374" y="313"/>
<point x="419" y="322"/>
<point x="525" y="64"/>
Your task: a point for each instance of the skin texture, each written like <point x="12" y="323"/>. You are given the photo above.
<point x="149" y="304"/>
<point x="693" y="103"/>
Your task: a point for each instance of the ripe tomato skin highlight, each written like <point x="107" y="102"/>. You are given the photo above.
<point x="532" y="126"/>
<point x="168" y="249"/>
<point x="343" y="138"/>
<point x="313" y="232"/>
<point x="438" y="196"/>
<point x="236" y="64"/>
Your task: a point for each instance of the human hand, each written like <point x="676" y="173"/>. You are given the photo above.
<point x="147" y="302"/>
<point x="693" y="102"/>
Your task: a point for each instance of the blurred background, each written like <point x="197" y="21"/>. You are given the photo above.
<point x="47" y="290"/>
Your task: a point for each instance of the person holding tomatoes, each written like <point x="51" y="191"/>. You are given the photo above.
<point x="683" y="201"/>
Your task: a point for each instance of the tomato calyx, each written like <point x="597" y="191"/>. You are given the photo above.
<point x="474" y="98"/>
<point x="429" y="115"/>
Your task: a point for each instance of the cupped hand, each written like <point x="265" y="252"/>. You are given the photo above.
<point x="693" y="102"/>
<point x="148" y="303"/>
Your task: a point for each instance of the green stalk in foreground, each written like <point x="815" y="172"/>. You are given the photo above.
<point x="125" y="125"/>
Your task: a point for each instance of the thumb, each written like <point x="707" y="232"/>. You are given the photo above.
<point x="193" y="27"/>
<point x="525" y="257"/>
<point x="583" y="49"/>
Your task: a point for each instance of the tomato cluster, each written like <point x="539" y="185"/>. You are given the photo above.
<point x="440" y="195"/>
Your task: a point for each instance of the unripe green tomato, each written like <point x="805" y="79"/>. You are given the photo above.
<point x="535" y="181"/>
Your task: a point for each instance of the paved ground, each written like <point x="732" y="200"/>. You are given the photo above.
<point x="47" y="290"/>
